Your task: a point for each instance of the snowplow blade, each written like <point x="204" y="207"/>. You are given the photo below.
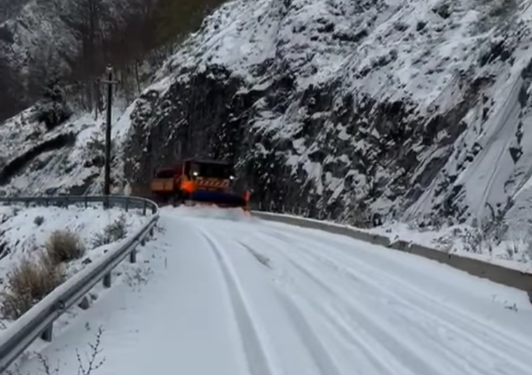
<point x="218" y="198"/>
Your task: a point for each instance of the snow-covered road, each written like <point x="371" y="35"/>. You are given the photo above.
<point x="239" y="296"/>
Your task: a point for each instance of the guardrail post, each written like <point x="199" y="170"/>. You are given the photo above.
<point x="47" y="334"/>
<point x="154" y="209"/>
<point x="133" y="256"/>
<point x="85" y="201"/>
<point x="27" y="204"/>
<point x="126" y="205"/>
<point x="144" y="208"/>
<point x="107" y="280"/>
<point x="152" y="230"/>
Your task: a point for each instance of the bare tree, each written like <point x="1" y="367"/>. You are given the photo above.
<point x="12" y="93"/>
<point x="87" y="19"/>
<point x="44" y="64"/>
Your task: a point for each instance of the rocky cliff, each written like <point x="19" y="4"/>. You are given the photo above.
<point x="332" y="108"/>
<point x="409" y="109"/>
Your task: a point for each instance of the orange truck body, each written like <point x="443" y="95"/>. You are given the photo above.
<point x="206" y="181"/>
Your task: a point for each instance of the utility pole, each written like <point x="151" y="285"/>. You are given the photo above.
<point x="107" y="172"/>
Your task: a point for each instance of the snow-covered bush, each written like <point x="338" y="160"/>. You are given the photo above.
<point x="29" y="282"/>
<point x="64" y="246"/>
<point x="112" y="232"/>
<point x="38" y="220"/>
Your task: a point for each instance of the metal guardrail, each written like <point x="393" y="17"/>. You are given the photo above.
<point x="498" y="274"/>
<point x="39" y="320"/>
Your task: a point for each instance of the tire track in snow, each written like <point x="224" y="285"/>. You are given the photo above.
<point x="427" y="306"/>
<point x="320" y="356"/>
<point x="380" y="339"/>
<point x="257" y="358"/>
<point x="515" y="342"/>
<point x="427" y="341"/>
<point x="380" y="359"/>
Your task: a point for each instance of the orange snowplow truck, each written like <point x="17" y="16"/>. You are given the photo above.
<point x="198" y="181"/>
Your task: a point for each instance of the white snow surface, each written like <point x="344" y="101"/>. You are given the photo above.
<point x="21" y="237"/>
<point x="69" y="168"/>
<point x="513" y="250"/>
<point x="217" y="294"/>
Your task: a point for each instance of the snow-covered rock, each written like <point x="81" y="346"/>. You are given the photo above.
<point x="404" y="108"/>
<point x="66" y="160"/>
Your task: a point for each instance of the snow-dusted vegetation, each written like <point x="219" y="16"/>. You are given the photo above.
<point x="40" y="247"/>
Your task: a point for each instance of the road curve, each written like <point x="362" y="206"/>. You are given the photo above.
<point x="231" y="295"/>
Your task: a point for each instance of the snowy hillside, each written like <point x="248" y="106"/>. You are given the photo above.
<point x="42" y="38"/>
<point x="34" y="41"/>
<point x="24" y="232"/>
<point x="406" y="108"/>
<point x="30" y="25"/>
<point x="68" y="159"/>
<point x="415" y="110"/>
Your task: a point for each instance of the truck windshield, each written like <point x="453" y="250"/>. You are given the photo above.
<point x="222" y="171"/>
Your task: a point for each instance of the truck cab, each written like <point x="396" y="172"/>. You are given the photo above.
<point x="197" y="180"/>
<point x="209" y="175"/>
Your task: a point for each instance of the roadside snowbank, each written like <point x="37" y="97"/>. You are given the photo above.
<point x="512" y="250"/>
<point x="24" y="232"/>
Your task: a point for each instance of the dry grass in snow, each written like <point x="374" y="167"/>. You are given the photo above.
<point x="41" y="247"/>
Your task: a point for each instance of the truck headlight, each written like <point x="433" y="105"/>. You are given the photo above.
<point x="231" y="177"/>
<point x="195" y="174"/>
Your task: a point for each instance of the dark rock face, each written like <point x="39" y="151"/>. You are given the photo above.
<point x="13" y="167"/>
<point x="343" y="110"/>
<point x="212" y="115"/>
<point x="195" y="118"/>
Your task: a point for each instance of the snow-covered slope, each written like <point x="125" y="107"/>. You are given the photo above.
<point x="68" y="159"/>
<point x="25" y="231"/>
<point x="32" y="26"/>
<point x="39" y="38"/>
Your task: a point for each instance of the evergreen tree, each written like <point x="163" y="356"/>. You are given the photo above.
<point x="53" y="109"/>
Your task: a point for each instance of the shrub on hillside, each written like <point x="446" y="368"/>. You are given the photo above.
<point x="64" y="246"/>
<point x="112" y="232"/>
<point x="38" y="220"/>
<point x="53" y="109"/>
<point x="28" y="283"/>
